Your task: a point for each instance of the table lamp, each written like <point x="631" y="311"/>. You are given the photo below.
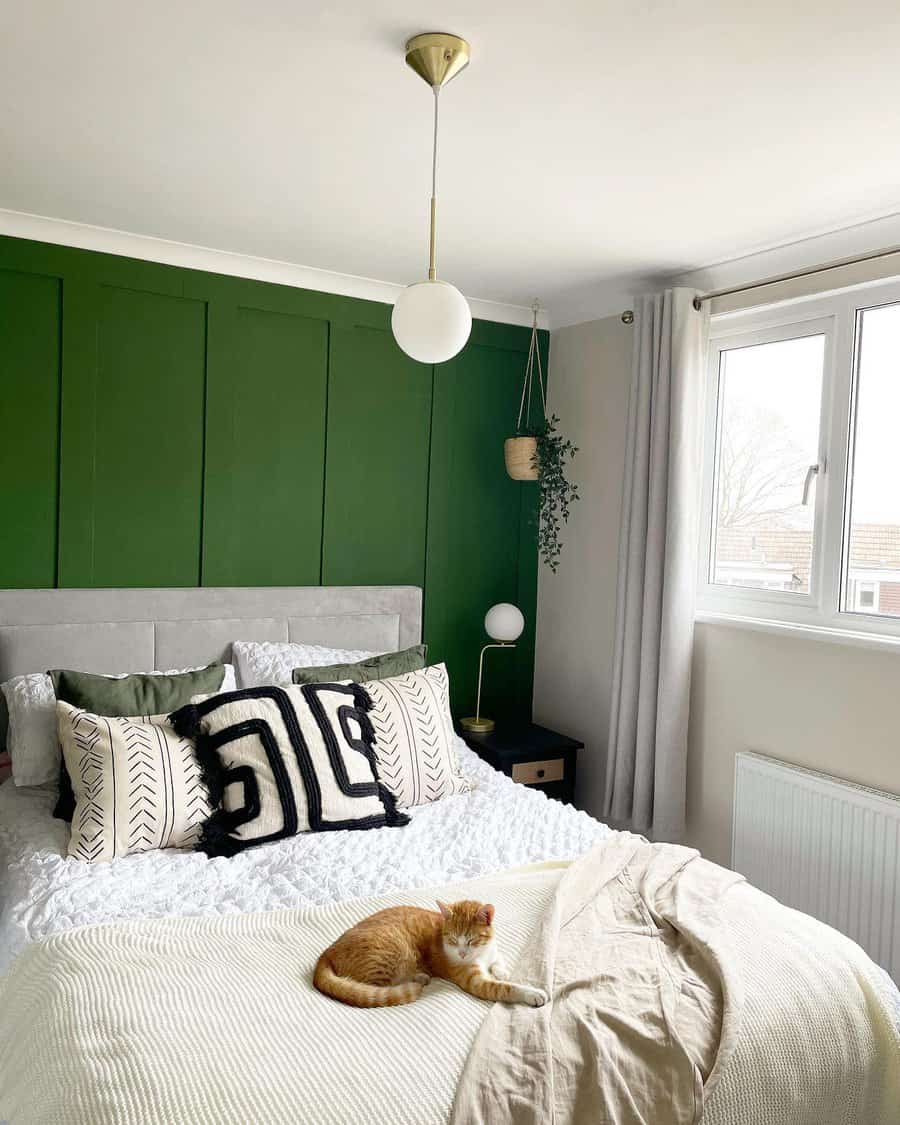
<point x="503" y="623"/>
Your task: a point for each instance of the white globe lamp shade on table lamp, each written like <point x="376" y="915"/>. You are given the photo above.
<point x="431" y="321"/>
<point x="504" y="623"/>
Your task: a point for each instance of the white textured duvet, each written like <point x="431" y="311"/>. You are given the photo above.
<point x="498" y="825"/>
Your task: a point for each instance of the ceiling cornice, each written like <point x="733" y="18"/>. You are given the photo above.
<point x="593" y="302"/>
<point x="62" y="232"/>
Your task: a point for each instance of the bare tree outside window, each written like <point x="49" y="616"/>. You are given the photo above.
<point x="769" y="396"/>
<point x="761" y="468"/>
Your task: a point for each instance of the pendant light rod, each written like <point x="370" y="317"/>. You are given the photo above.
<point x="432" y="265"/>
<point x="437" y="58"/>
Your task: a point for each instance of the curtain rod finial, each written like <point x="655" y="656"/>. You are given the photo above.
<point x="628" y="317"/>
<point x="698" y="303"/>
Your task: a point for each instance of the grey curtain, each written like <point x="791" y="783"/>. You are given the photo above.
<point x="658" y="541"/>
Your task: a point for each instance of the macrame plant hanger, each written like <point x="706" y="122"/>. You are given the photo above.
<point x="520" y="453"/>
<point x="534" y="353"/>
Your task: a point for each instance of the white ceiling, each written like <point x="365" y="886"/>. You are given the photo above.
<point x="590" y="142"/>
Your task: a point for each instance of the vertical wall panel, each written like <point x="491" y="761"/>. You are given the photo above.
<point x="77" y="432"/>
<point x="133" y="438"/>
<point x="376" y="476"/>
<point x="29" y="404"/>
<point x="474" y="523"/>
<point x="265" y="449"/>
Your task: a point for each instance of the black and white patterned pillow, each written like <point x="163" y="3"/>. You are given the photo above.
<point x="283" y="760"/>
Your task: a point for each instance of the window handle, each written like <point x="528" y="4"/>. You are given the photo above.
<point x="811" y="472"/>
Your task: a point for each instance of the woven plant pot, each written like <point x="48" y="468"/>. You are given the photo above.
<point x="520" y="455"/>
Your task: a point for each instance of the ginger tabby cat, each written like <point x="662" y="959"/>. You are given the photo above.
<point x="389" y="957"/>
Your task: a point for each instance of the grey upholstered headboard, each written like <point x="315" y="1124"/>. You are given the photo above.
<point x="141" y="630"/>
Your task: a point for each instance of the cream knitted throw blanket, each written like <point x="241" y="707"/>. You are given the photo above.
<point x="195" y="1021"/>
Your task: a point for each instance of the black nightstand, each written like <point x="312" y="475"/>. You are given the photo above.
<point x="530" y="754"/>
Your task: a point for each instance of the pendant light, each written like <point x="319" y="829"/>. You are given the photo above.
<point x="431" y="319"/>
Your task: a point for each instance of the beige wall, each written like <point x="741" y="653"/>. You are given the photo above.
<point x="590" y="366"/>
<point x="828" y="706"/>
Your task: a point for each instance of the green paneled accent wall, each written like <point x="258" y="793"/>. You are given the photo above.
<point x="166" y="427"/>
<point x="379" y="435"/>
<point x="268" y="398"/>
<point x="473" y="509"/>
<point x="138" y="515"/>
<point x="29" y="441"/>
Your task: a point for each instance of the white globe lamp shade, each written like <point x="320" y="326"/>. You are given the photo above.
<point x="504" y="623"/>
<point x="431" y="321"/>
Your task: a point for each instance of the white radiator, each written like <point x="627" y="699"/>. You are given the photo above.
<point x="824" y="846"/>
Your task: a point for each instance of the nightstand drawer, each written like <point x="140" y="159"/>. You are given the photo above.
<point x="531" y="755"/>
<point x="538" y="773"/>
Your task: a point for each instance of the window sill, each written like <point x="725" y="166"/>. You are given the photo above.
<point x="854" y="637"/>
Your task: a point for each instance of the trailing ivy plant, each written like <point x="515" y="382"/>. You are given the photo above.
<point x="557" y="493"/>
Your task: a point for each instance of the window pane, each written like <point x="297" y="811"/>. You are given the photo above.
<point x="872" y="560"/>
<point x="768" y="436"/>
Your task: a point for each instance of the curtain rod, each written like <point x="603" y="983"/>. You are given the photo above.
<point x="628" y="315"/>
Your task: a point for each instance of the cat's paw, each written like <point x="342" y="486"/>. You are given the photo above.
<point x="499" y="971"/>
<point x="422" y="978"/>
<point x="534" y="997"/>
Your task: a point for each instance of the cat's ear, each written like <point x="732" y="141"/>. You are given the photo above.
<point x="485" y="915"/>
<point x="444" y="908"/>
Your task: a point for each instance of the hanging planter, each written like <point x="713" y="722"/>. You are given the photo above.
<point x="538" y="453"/>
<point x="520" y="455"/>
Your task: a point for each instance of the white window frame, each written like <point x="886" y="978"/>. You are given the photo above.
<point x="818" y="611"/>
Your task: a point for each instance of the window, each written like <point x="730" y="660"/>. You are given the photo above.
<point x="768" y="436"/>
<point x="801" y="490"/>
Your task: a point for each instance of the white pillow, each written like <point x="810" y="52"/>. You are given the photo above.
<point x="32" y="739"/>
<point x="272" y="662"/>
<point x="414" y="738"/>
<point x="137" y="785"/>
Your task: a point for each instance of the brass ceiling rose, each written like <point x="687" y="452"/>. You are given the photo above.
<point x="437" y="57"/>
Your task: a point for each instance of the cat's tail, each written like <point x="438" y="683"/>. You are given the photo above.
<point x="360" y="994"/>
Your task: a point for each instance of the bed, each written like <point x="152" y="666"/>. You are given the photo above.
<point x="169" y="987"/>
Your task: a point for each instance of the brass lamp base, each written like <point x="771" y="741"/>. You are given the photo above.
<point x="477" y="726"/>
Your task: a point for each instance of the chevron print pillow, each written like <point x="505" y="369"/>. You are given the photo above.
<point x="414" y="736"/>
<point x="283" y="760"/>
<point x="137" y="784"/>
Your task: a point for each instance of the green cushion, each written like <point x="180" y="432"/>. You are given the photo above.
<point x="374" y="668"/>
<point x="140" y="694"/>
